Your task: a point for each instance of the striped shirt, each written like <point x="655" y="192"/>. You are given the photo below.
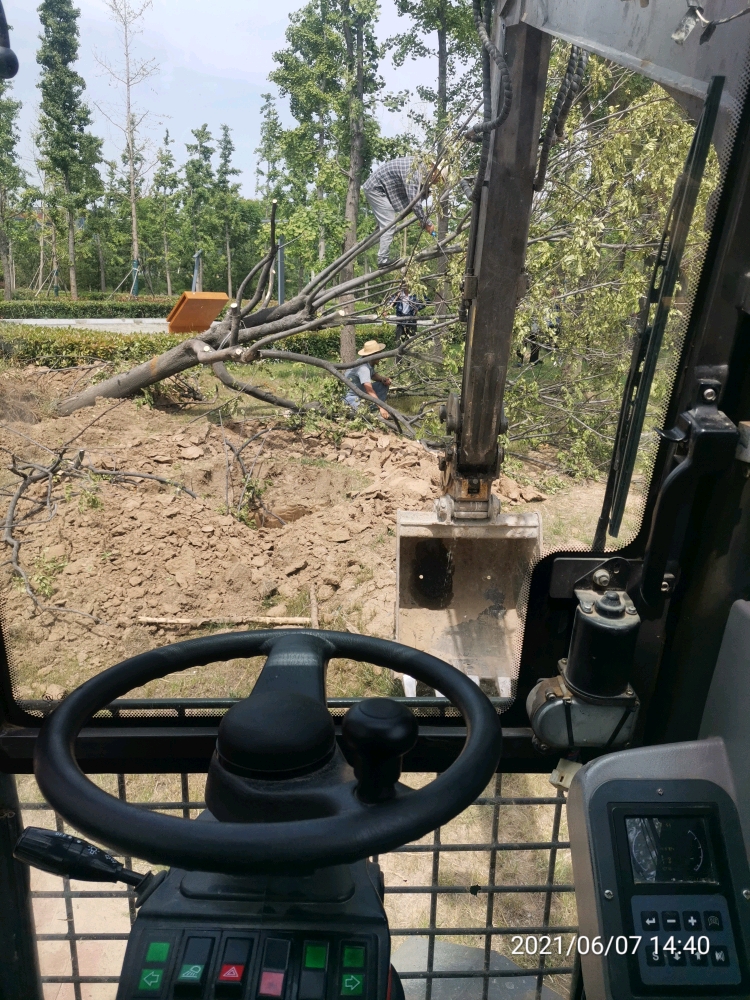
<point x="400" y="181"/>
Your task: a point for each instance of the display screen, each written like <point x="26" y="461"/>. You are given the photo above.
<point x="670" y="849"/>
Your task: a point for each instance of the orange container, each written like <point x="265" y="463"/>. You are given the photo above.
<point x="196" y="311"/>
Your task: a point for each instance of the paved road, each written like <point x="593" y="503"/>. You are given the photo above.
<point x="146" y="325"/>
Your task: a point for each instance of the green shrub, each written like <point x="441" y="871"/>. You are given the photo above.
<point x="326" y="343"/>
<point x="64" y="348"/>
<point x="65" y="308"/>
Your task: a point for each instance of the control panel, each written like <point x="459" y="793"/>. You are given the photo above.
<point x="661" y="874"/>
<point x="235" y="962"/>
<point x="692" y="946"/>
<point x="204" y="937"/>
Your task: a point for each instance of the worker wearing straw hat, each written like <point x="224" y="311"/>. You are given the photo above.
<point x="367" y="379"/>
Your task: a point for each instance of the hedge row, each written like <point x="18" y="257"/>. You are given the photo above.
<point x="66" y="347"/>
<point x="326" y="343"/>
<point x="31" y="295"/>
<point x="140" y="308"/>
<point x="63" y="348"/>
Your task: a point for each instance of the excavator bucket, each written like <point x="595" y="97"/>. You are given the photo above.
<point x="460" y="590"/>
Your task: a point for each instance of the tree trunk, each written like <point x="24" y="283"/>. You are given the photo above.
<point x="443" y="287"/>
<point x="166" y="263"/>
<point x="320" y="194"/>
<point x="229" y="263"/>
<point x="130" y="138"/>
<point x="71" y="245"/>
<point x="355" y="52"/>
<point x="102" y="269"/>
<point x="176" y="360"/>
<point x="5" y="261"/>
<point x="5" y="253"/>
<point x="40" y="283"/>
<point x="72" y="256"/>
<point x="55" y="263"/>
<point x="12" y="268"/>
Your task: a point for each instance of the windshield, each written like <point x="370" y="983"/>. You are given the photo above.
<point x="257" y="494"/>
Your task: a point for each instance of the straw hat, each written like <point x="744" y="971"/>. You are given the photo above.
<point x="371" y="347"/>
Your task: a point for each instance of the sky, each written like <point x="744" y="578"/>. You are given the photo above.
<point x="213" y="62"/>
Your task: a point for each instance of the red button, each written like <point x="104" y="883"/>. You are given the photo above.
<point x="231" y="973"/>
<point x="271" y="984"/>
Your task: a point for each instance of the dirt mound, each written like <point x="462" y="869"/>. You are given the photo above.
<point x="275" y="512"/>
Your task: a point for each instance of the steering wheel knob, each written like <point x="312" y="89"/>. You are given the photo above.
<point x="377" y="733"/>
<point x="276" y="735"/>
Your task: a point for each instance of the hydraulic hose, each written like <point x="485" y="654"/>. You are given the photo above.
<point x="491" y="51"/>
<point x="569" y="87"/>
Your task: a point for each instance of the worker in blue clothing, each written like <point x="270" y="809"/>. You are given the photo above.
<point x="406" y="307"/>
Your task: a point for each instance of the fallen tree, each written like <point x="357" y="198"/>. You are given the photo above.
<point x="249" y="330"/>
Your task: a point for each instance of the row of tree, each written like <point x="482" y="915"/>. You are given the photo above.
<point x="83" y="223"/>
<point x="595" y="227"/>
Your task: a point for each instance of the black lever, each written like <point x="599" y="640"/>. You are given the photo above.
<point x="62" y="854"/>
<point x="377" y="732"/>
<point x="8" y="58"/>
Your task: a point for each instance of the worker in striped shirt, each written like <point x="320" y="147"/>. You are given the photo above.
<point x="390" y="188"/>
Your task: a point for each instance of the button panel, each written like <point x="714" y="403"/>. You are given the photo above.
<point x="214" y="963"/>
<point x="692" y="944"/>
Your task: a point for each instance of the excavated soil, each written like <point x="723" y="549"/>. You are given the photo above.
<point x="123" y="552"/>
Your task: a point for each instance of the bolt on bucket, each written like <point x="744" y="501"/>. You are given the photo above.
<point x="458" y="589"/>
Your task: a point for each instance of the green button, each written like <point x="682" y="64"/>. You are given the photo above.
<point x="190" y="973"/>
<point x="150" y="980"/>
<point x="354" y="957"/>
<point x="352" y="984"/>
<point x="316" y="955"/>
<point x="158" y="951"/>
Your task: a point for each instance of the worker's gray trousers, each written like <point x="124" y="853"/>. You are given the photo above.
<point x="384" y="214"/>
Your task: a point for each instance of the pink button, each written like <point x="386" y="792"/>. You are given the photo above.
<point x="271" y="984"/>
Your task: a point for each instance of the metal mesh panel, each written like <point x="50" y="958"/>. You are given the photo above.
<point x="483" y="907"/>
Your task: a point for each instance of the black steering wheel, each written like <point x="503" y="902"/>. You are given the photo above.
<point x="288" y="702"/>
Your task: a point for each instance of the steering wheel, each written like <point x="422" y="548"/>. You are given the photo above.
<point x="267" y="744"/>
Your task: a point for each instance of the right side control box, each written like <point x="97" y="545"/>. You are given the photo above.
<point x="661" y="873"/>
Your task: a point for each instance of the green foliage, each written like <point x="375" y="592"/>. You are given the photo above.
<point x="64" y="308"/>
<point x="69" y="149"/>
<point x="46" y="572"/>
<point x="68" y="347"/>
<point x="594" y="231"/>
<point x="307" y="166"/>
<point x="11" y="178"/>
<point x="63" y="348"/>
<point x="443" y="29"/>
<point x="89" y="499"/>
